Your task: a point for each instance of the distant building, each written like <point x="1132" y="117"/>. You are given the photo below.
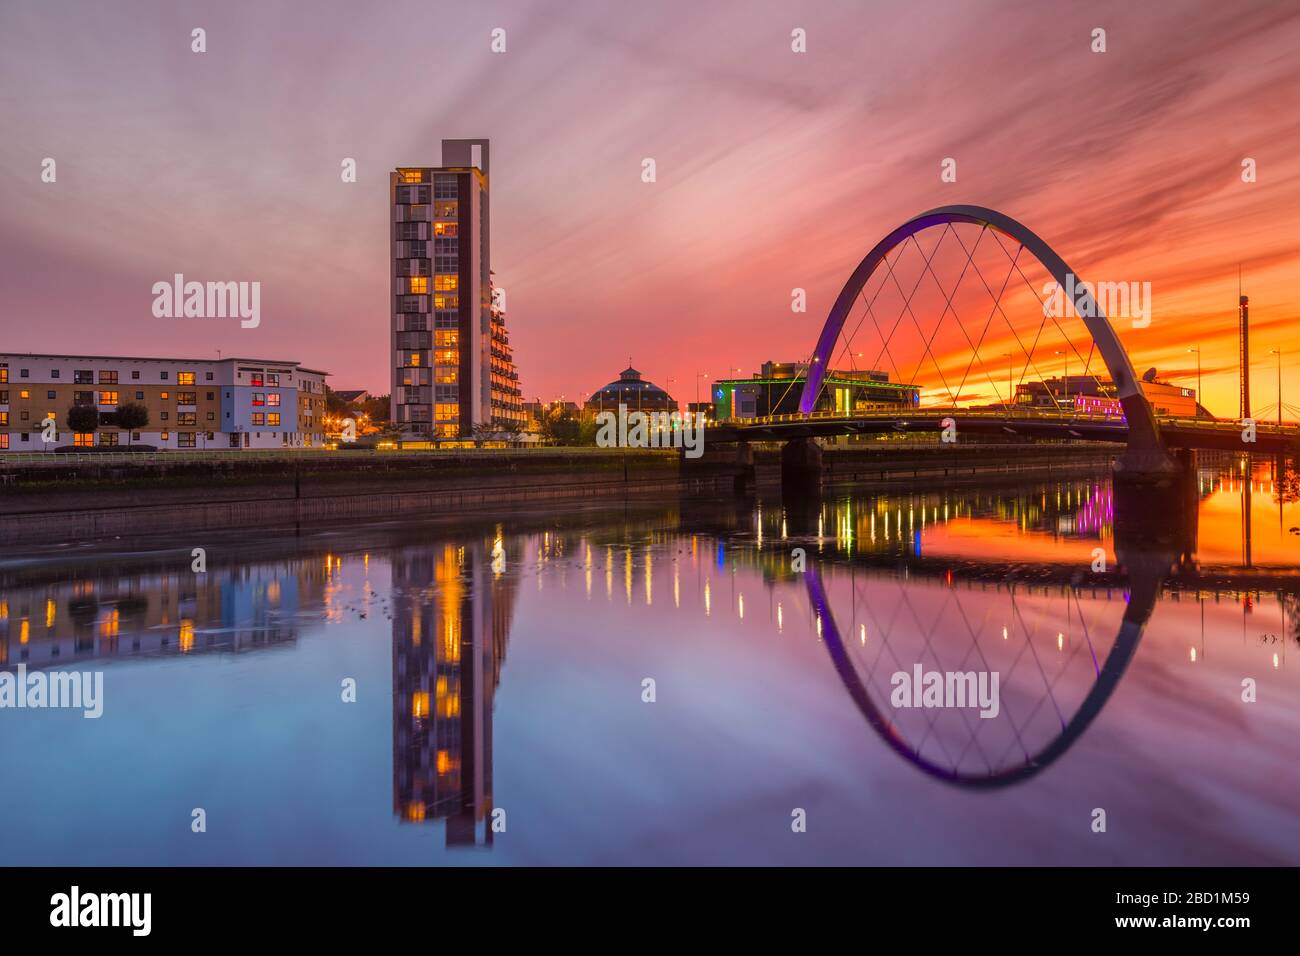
<point x="1097" y="396"/>
<point x="192" y="403"/>
<point x="452" y="368"/>
<point x="353" y="396"/>
<point x="635" y="392"/>
<point x="777" y="388"/>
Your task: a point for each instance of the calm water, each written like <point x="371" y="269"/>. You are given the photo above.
<point x="499" y="665"/>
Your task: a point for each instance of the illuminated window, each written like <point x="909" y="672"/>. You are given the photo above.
<point x="273" y="399"/>
<point x="445" y="283"/>
<point x="164" y="395"/>
<point x="412" y="175"/>
<point x="446" y="338"/>
<point x="448" y="229"/>
<point x="419" y="285"/>
<point x="105" y="398"/>
<point x="273" y="418"/>
<point x="259" y="418"/>
<point x="186" y="398"/>
<point x="446" y="302"/>
<point x="184" y="378"/>
<point x="4" y="439"/>
<point x="420" y="704"/>
<point x="4" y="374"/>
<point x="412" y="359"/>
<point x="4" y="418"/>
<point x="83" y="439"/>
<point x="445" y="375"/>
<point x="273" y="379"/>
<point x="256" y="378"/>
<point x="446" y="209"/>
<point x="446" y="412"/>
<point x="448" y="356"/>
<point x="24" y="393"/>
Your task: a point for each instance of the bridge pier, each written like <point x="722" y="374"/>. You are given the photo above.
<point x="746" y="477"/>
<point x="801" y="466"/>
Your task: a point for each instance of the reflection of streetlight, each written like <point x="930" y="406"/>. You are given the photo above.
<point x="1199" y="399"/>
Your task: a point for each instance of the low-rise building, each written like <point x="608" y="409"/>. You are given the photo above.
<point x="191" y="403"/>
<point x="1097" y="396"/>
<point x="778" y="387"/>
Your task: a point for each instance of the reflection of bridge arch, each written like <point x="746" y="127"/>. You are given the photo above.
<point x="1145" y="449"/>
<point x="1145" y="591"/>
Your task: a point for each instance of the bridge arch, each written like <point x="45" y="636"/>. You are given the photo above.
<point x="1145" y="592"/>
<point x="1145" y="455"/>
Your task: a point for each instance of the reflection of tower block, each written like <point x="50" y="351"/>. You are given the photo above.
<point x="448" y="642"/>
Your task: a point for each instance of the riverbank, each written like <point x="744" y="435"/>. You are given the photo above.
<point x="84" y="500"/>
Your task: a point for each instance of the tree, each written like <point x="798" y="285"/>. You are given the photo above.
<point x="131" y="416"/>
<point x="83" y="419"/>
<point x="560" y="426"/>
<point x="377" y="408"/>
<point x="336" y="406"/>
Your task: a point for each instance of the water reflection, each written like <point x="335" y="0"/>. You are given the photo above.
<point x="790" y="668"/>
<point x="452" y="611"/>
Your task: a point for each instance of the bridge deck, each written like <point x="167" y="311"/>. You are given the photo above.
<point x="1176" y="432"/>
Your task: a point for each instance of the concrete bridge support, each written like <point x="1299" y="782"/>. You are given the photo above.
<point x="745" y="479"/>
<point x="801" y="466"/>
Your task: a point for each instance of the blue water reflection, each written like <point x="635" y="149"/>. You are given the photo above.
<point x="498" y="665"/>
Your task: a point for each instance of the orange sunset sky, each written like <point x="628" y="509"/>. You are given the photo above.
<point x="775" y="170"/>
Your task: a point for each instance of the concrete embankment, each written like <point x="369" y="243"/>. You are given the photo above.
<point x="89" y="500"/>
<point x="83" y="500"/>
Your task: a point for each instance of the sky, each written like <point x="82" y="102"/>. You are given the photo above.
<point x="775" y="170"/>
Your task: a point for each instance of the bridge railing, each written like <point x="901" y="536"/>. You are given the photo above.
<point x="903" y="415"/>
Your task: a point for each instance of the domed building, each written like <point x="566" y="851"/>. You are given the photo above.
<point x="633" y="391"/>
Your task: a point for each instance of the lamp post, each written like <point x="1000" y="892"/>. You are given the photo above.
<point x="1278" y="353"/>
<point x="1011" y="375"/>
<point x="1199" y="400"/>
<point x="697" y="386"/>
<point x="1066" y="380"/>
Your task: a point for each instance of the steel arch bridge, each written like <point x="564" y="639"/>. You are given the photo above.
<point x="1146" y="450"/>
<point x="1147" y="435"/>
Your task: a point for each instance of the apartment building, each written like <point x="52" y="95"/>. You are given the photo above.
<point x="190" y="403"/>
<point x="452" y="366"/>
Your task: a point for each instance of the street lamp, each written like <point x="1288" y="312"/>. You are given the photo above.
<point x="1199" y="400"/>
<point x="697" y="385"/>
<point x="1011" y="375"/>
